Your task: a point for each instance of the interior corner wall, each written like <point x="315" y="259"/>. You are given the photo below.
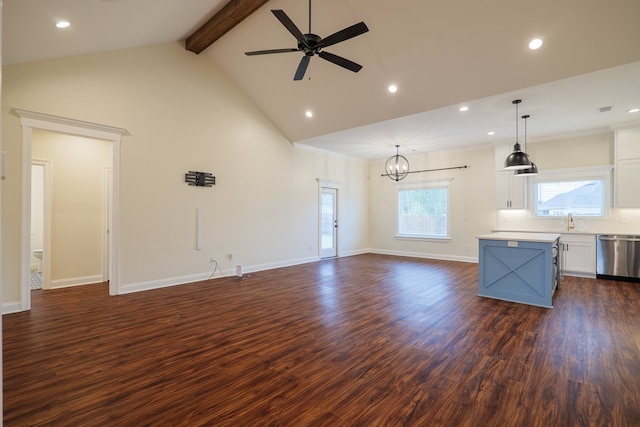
<point x="183" y="114"/>
<point x="471" y="204"/>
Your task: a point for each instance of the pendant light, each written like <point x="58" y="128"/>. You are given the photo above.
<point x="397" y="167"/>
<point x="533" y="170"/>
<point x="518" y="159"/>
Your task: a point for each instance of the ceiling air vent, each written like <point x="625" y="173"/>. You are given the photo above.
<point x="605" y="109"/>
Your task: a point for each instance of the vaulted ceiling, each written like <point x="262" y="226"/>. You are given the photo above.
<point x="441" y="54"/>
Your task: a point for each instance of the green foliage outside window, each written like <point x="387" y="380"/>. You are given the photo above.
<point x="423" y="212"/>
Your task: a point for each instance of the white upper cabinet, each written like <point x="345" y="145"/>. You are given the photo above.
<point x="628" y="144"/>
<point x="501" y="153"/>
<point x="510" y="189"/>
<point x="627" y="168"/>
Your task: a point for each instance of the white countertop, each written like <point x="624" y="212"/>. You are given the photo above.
<point x="586" y="233"/>
<point x="521" y="236"/>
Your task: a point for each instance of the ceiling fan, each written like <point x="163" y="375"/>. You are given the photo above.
<point x="311" y="44"/>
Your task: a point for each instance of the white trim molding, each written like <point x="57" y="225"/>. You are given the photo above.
<point x="30" y="120"/>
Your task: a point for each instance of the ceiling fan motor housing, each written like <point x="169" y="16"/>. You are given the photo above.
<point x="309" y="44"/>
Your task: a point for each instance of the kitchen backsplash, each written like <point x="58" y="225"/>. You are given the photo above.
<point x="621" y="221"/>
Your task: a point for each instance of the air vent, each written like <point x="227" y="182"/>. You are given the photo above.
<point x="605" y="109"/>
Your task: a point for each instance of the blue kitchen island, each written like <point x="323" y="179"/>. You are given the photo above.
<point x="519" y="267"/>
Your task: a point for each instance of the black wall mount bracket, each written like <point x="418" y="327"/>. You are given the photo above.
<point x="200" y="179"/>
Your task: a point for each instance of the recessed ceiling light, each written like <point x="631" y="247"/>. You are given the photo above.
<point x="491" y="133"/>
<point x="535" y="44"/>
<point x="309" y="113"/>
<point x="464" y="108"/>
<point x="633" y="110"/>
<point x="63" y="24"/>
<point x="392" y="88"/>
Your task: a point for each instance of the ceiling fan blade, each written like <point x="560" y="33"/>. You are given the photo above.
<point x="338" y="60"/>
<point x="289" y="25"/>
<point x="265" y="52"/>
<point x="302" y="68"/>
<point x="342" y="35"/>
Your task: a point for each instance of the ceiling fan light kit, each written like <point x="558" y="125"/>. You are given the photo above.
<point x="312" y="44"/>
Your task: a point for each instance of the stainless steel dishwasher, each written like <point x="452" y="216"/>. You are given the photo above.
<point x="618" y="257"/>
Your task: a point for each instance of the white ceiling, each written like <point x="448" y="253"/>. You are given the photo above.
<point x="441" y="53"/>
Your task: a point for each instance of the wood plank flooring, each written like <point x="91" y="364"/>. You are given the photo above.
<point x="368" y="340"/>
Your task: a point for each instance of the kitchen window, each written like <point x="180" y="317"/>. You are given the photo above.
<point x="583" y="192"/>
<point x="423" y="211"/>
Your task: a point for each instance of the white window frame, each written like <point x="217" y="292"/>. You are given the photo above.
<point x="574" y="174"/>
<point x="424" y="185"/>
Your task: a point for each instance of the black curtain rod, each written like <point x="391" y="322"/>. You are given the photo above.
<point x="432" y="170"/>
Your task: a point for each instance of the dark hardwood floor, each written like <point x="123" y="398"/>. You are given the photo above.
<point x="368" y="340"/>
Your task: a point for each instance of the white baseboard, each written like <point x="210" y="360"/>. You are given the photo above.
<point x="11" y="307"/>
<point x="175" y="281"/>
<point x="580" y="274"/>
<point x="353" y="253"/>
<point x="75" y="281"/>
<point x="442" y="257"/>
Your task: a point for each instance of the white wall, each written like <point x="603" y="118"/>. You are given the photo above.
<point x="184" y="114"/>
<point x="472" y="206"/>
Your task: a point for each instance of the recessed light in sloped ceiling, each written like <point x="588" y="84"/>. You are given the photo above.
<point x="535" y="44"/>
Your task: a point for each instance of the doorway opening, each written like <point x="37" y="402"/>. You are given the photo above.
<point x="30" y="120"/>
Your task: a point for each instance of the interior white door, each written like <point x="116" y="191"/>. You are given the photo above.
<point x="328" y="222"/>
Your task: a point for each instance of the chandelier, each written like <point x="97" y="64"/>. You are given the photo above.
<point x="397" y="167"/>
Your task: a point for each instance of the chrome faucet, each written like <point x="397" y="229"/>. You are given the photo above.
<point x="570" y="224"/>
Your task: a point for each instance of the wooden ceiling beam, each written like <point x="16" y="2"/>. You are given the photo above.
<point x="231" y="15"/>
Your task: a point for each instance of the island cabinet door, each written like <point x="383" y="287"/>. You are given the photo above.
<point x="516" y="271"/>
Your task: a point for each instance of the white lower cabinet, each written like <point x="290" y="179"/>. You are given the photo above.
<point x="579" y="254"/>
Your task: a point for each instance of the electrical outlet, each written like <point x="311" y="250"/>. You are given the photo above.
<point x="230" y="256"/>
